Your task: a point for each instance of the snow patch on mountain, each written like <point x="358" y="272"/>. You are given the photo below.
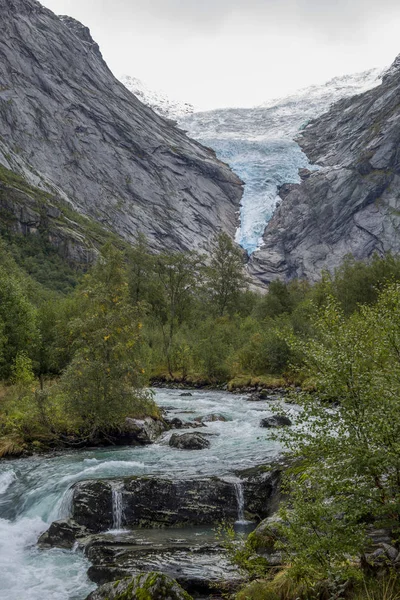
<point x="258" y="144"/>
<point x="159" y="101"/>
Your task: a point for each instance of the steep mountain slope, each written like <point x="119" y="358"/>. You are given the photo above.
<point x="72" y="129"/>
<point x="160" y="102"/>
<point x="351" y="205"/>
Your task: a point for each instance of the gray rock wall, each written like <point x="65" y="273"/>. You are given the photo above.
<point x="71" y="128"/>
<point x="352" y="204"/>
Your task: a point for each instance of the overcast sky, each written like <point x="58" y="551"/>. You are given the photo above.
<point x="216" y="53"/>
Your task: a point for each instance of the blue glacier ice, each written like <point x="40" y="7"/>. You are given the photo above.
<point x="258" y="144"/>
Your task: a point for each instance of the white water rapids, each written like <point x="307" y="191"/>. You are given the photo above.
<point x="35" y="491"/>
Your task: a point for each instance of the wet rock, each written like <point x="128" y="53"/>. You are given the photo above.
<point x="261" y="490"/>
<point x="255" y="397"/>
<point x="175" y="423"/>
<point x="200" y="567"/>
<point x="154" y="502"/>
<point x="189" y="441"/>
<point x="92" y="505"/>
<point x="148" y="586"/>
<point x="212" y="418"/>
<point x="275" y="421"/>
<point x="62" y="534"/>
<point x="142" y="431"/>
<point x="186" y="395"/>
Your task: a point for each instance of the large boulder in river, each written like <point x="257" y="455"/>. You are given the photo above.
<point x="276" y="421"/>
<point x="145" y="586"/>
<point x="261" y="490"/>
<point x="62" y="534"/>
<point x="189" y="441"/>
<point x="92" y="505"/>
<point x="154" y="502"/>
<point x="142" y="431"/>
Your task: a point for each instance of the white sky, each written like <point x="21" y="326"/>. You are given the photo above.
<point x="218" y="53"/>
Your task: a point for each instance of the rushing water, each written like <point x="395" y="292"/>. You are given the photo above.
<point x="35" y="491"/>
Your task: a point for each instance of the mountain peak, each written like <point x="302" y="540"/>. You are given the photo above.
<point x="69" y="126"/>
<point x="81" y="31"/>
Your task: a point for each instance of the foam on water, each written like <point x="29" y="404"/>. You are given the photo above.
<point x="6" y="479"/>
<point x="37" y="491"/>
<point x="29" y="573"/>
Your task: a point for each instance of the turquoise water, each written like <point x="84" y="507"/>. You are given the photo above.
<point x="34" y="491"/>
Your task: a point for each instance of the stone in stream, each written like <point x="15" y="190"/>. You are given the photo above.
<point x="62" y="534"/>
<point x="176" y="423"/>
<point x="154" y="502"/>
<point x="186" y="395"/>
<point x="275" y="421"/>
<point x="212" y="418"/>
<point x="189" y="441"/>
<point x="146" y="586"/>
<point x="142" y="431"/>
<point x="199" y="567"/>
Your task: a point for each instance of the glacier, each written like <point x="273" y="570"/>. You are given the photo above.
<point x="258" y="143"/>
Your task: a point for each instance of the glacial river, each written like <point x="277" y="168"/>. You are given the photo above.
<point x="34" y="491"/>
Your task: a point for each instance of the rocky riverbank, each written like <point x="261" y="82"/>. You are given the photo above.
<point x="142" y="508"/>
<point x="140" y="524"/>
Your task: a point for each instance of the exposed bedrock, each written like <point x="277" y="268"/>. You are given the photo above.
<point x="71" y="128"/>
<point x="141" y="524"/>
<point x="151" y="586"/>
<point x="192" y="557"/>
<point x="160" y="502"/>
<point x="351" y="205"/>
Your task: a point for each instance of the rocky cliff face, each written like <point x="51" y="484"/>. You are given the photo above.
<point x="69" y="127"/>
<point x="351" y="205"/>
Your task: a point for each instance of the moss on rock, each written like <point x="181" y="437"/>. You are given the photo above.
<point x="145" y="586"/>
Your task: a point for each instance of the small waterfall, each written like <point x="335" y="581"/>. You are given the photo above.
<point x="240" y="501"/>
<point x="64" y="508"/>
<point x="117" y="508"/>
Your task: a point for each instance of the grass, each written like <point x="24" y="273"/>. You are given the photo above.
<point x="11" y="446"/>
<point x="286" y="587"/>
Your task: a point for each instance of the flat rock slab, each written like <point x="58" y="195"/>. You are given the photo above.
<point x="199" y="566"/>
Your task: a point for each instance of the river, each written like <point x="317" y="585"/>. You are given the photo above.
<point x="34" y="491"/>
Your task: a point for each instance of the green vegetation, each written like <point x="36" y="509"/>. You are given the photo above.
<point x="92" y="347"/>
<point x="345" y="478"/>
<point x="77" y="351"/>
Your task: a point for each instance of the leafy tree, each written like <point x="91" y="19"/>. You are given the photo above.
<point x="18" y="319"/>
<point x="225" y="275"/>
<point x="103" y="383"/>
<point x="349" y="474"/>
<point x="178" y="277"/>
<point x="140" y="270"/>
